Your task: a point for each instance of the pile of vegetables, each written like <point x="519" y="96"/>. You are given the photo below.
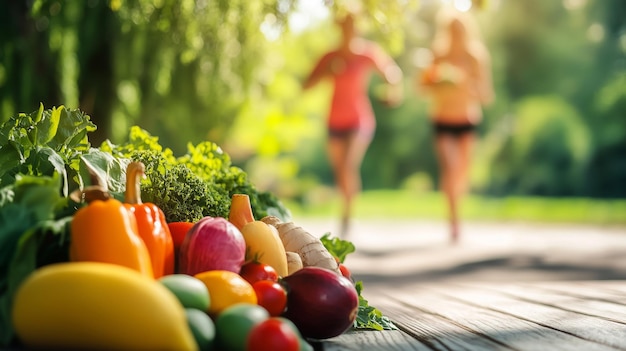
<point x="49" y="172"/>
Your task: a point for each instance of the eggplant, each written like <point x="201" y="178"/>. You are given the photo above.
<point x="320" y="302"/>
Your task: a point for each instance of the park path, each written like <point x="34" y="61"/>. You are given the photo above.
<point x="408" y="251"/>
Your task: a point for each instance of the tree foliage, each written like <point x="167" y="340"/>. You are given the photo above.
<point x="179" y="68"/>
<point x="230" y="72"/>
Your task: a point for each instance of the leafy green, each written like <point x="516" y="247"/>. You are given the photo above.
<point x="337" y="247"/>
<point x="40" y="165"/>
<point x="45" y="142"/>
<point x="197" y="184"/>
<point x="368" y="317"/>
<point x="33" y="232"/>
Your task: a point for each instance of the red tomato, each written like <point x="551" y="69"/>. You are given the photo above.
<point x="254" y="271"/>
<point x="271" y="295"/>
<point x="344" y="270"/>
<point x="271" y="335"/>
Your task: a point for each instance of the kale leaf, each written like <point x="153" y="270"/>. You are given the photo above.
<point x="197" y="184"/>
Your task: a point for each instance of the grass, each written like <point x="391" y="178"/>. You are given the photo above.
<point x="399" y="204"/>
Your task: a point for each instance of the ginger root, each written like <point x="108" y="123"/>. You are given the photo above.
<point x="306" y="245"/>
<point x="294" y="262"/>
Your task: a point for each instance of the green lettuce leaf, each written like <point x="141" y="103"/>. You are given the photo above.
<point x="45" y="142"/>
<point x="33" y="231"/>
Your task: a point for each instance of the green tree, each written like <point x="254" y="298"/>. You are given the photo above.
<point x="181" y="69"/>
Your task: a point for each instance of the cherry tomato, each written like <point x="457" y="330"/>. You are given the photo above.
<point x="344" y="270"/>
<point x="254" y="271"/>
<point x="271" y="335"/>
<point x="271" y="295"/>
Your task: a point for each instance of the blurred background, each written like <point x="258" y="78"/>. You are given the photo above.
<point x="552" y="146"/>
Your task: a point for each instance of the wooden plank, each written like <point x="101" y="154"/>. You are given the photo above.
<point x="386" y="340"/>
<point x="503" y="329"/>
<point x="588" y="290"/>
<point x="434" y="331"/>
<point x="581" y="303"/>
<point x="616" y="286"/>
<point x="586" y="327"/>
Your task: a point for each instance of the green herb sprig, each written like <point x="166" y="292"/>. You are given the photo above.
<point x="368" y="317"/>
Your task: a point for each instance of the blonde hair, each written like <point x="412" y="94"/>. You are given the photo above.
<point x="445" y="19"/>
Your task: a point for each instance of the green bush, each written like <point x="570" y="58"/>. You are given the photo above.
<point x="546" y="153"/>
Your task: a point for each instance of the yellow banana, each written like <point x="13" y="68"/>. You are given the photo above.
<point x="263" y="244"/>
<point x="94" y="305"/>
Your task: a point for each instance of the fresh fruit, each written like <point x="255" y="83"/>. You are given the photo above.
<point x="254" y="271"/>
<point x="271" y="335"/>
<point x="213" y="243"/>
<point x="190" y="291"/>
<point x="271" y="295"/>
<point x="79" y="305"/>
<point x="226" y="289"/>
<point x="320" y="302"/>
<point x="303" y="344"/>
<point x="263" y="245"/>
<point x="202" y="328"/>
<point x="345" y="271"/>
<point x="235" y="323"/>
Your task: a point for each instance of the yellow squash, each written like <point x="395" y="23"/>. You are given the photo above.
<point x="95" y="305"/>
<point x="264" y="245"/>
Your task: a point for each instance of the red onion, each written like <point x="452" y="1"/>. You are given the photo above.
<point x="213" y="243"/>
<point x="320" y="302"/>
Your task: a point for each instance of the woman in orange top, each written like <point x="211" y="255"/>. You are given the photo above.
<point x="459" y="83"/>
<point x="351" y="121"/>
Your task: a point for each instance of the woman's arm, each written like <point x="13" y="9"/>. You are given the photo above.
<point x="321" y="70"/>
<point x="387" y="68"/>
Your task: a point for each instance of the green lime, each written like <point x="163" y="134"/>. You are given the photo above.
<point x="234" y="324"/>
<point x="190" y="291"/>
<point x="202" y="328"/>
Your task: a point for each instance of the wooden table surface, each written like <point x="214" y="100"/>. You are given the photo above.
<point x="574" y="315"/>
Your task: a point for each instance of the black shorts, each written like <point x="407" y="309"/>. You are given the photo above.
<point x="342" y="133"/>
<point x="453" y="129"/>
<point x="361" y="133"/>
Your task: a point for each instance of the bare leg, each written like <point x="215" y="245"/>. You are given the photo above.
<point x="465" y="149"/>
<point x="454" y="154"/>
<point x="447" y="158"/>
<point x="346" y="154"/>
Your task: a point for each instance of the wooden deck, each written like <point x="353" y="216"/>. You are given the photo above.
<point x="573" y="315"/>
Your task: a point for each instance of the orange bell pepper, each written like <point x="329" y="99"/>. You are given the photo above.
<point x="151" y="223"/>
<point x="105" y="231"/>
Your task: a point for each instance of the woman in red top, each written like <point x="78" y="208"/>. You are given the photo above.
<point x="351" y="121"/>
